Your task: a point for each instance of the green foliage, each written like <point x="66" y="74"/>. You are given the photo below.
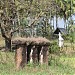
<point x="71" y="33"/>
<point x="24" y="22"/>
<point x="54" y="47"/>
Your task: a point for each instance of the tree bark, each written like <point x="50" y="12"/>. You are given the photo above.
<point x="64" y="19"/>
<point x="7" y="39"/>
<point x="56" y="19"/>
<point x="8" y="44"/>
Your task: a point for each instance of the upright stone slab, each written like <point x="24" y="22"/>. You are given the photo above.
<point x="18" y="56"/>
<point x="39" y="50"/>
<point x="35" y="55"/>
<point x="31" y="56"/>
<point x="29" y="53"/>
<point x="24" y="56"/>
<point x="45" y="54"/>
<point x="41" y="55"/>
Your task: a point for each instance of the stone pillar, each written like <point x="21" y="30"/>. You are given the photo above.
<point x="21" y="56"/>
<point x="39" y="49"/>
<point x="24" y="56"/>
<point x="45" y="54"/>
<point x="18" y="56"/>
<point x="35" y="55"/>
<point x="41" y="56"/>
<point x="31" y="54"/>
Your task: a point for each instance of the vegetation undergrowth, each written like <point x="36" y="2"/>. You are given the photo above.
<point x="63" y="65"/>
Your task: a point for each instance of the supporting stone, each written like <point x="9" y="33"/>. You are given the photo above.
<point x="31" y="54"/>
<point x="18" y="56"/>
<point x="39" y="49"/>
<point x="41" y="56"/>
<point x="24" y="56"/>
<point x="45" y="54"/>
<point x="35" y="55"/>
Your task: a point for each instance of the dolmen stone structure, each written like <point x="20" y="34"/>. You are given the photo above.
<point x="33" y="50"/>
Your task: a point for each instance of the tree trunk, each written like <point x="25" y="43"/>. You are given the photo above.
<point x="53" y="22"/>
<point x="64" y="19"/>
<point x="7" y="39"/>
<point x="56" y="19"/>
<point x="19" y="31"/>
<point x="8" y="44"/>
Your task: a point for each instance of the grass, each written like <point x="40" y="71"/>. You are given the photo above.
<point x="62" y="65"/>
<point x="1" y="41"/>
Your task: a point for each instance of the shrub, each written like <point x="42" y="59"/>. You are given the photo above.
<point x="54" y="47"/>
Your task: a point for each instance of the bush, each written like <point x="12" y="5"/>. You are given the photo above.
<point x="54" y="47"/>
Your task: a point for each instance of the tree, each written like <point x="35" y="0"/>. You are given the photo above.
<point x="37" y="8"/>
<point x="13" y="11"/>
<point x="8" y="15"/>
<point x="67" y="9"/>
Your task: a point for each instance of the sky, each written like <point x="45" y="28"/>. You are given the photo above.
<point x="61" y="22"/>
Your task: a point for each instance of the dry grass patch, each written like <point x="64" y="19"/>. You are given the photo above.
<point x="1" y="41"/>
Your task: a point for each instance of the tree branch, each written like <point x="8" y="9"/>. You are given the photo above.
<point x="3" y="32"/>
